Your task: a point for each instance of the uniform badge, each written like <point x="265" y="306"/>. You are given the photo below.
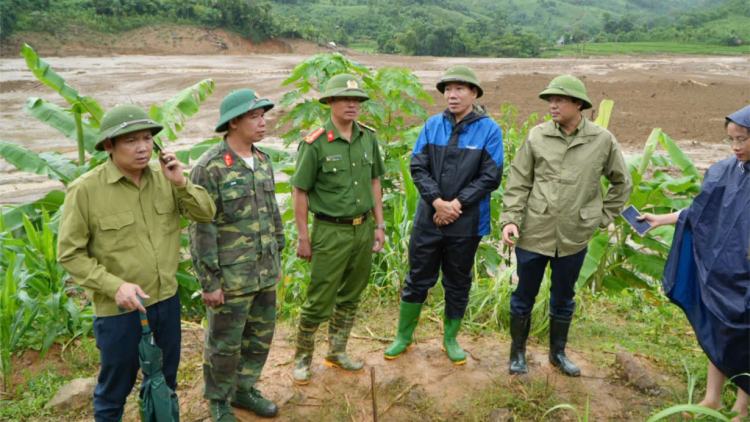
<point x="313" y="136"/>
<point x="333" y="158"/>
<point x="228" y="159"/>
<point x="330" y="136"/>
<point x="351" y="84"/>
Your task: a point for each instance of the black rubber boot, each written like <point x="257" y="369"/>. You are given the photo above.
<point x="558" y="338"/>
<point x="519" y="333"/>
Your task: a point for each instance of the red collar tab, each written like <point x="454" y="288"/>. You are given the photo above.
<point x="330" y="136"/>
<point x="228" y="159"/>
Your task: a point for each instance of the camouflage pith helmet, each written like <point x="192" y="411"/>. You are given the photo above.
<point x="124" y="119"/>
<point x="569" y="86"/>
<point x="460" y="74"/>
<point x="238" y="103"/>
<point x="344" y="85"/>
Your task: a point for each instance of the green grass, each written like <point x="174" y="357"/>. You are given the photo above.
<point x="367" y="46"/>
<point x="594" y="49"/>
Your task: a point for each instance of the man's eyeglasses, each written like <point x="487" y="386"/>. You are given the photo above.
<point x="738" y="141"/>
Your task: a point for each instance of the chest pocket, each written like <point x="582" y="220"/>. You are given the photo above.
<point x="335" y="175"/>
<point x="236" y="200"/>
<point x="165" y="216"/>
<point x="118" y="231"/>
<point x="270" y="195"/>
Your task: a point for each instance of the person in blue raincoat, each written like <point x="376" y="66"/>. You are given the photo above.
<point x="708" y="269"/>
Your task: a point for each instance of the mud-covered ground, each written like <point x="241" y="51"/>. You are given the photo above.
<point x="687" y="97"/>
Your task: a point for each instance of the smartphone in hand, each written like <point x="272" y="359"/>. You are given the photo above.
<point x="630" y="214"/>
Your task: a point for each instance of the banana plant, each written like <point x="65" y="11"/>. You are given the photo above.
<point x="621" y="258"/>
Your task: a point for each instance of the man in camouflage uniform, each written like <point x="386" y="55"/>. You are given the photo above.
<point x="338" y="179"/>
<point x="236" y="258"/>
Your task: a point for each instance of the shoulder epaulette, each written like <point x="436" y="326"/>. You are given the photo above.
<point x="366" y="127"/>
<point x="313" y="136"/>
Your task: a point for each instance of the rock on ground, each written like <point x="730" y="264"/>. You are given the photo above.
<point x="74" y="395"/>
<point x="635" y="372"/>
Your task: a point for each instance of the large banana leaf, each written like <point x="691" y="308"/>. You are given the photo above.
<point x="62" y="120"/>
<point x="173" y="114"/>
<point x="605" y="113"/>
<point x="52" y="79"/>
<point x="597" y="249"/>
<point x="51" y="164"/>
<point x="679" y="157"/>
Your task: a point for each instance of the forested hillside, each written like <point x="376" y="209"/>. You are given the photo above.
<point x="506" y="28"/>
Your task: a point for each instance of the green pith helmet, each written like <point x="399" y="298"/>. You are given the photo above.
<point x="569" y="86"/>
<point x="460" y="74"/>
<point x="344" y="85"/>
<point x="238" y="103"/>
<point x="124" y="119"/>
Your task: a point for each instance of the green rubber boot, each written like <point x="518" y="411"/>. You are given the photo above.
<point x="450" y="344"/>
<point x="339" y="328"/>
<point x="408" y="318"/>
<point x="305" y="347"/>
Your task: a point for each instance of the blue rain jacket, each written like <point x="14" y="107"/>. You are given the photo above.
<point x="708" y="269"/>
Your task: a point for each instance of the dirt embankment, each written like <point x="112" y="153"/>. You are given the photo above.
<point x="149" y="40"/>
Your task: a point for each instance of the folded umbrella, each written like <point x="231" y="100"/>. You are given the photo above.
<point x="158" y="403"/>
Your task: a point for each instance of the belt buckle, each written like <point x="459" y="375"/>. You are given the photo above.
<point x="357" y="221"/>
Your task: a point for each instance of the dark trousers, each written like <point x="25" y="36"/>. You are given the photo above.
<point x="117" y="339"/>
<point x="428" y="254"/>
<point x="531" y="268"/>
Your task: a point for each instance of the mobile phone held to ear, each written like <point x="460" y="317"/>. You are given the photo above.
<point x="630" y="215"/>
<point x="160" y="154"/>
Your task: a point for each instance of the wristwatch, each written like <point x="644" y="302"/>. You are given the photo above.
<point x="380" y="227"/>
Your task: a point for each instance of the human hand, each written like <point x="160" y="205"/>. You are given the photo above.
<point x="446" y="212"/>
<point x="172" y="168"/>
<point x="214" y="298"/>
<point x="655" y="220"/>
<point x="379" y="242"/>
<point x="304" y="250"/>
<point x="510" y="230"/>
<point x="127" y="297"/>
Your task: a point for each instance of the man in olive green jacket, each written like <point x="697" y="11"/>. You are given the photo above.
<point x="553" y="204"/>
<point x="120" y="239"/>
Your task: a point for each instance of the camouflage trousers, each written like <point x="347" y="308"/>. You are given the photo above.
<point x="238" y="339"/>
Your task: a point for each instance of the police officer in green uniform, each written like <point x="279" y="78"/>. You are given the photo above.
<point x="553" y="204"/>
<point x="236" y="258"/>
<point x="338" y="179"/>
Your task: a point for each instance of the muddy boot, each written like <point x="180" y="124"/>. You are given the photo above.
<point x="519" y="333"/>
<point x="407" y="321"/>
<point x="305" y="347"/>
<point x="558" y="338"/>
<point x="221" y="411"/>
<point x="339" y="327"/>
<point x="450" y="344"/>
<point x="255" y="402"/>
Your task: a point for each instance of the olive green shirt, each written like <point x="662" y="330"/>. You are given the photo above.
<point x="337" y="174"/>
<point x="553" y="192"/>
<point x="112" y="231"/>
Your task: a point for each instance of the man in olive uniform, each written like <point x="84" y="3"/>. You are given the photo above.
<point x="456" y="165"/>
<point x="237" y="258"/>
<point x="553" y="204"/>
<point x="338" y="179"/>
<point x="120" y="239"/>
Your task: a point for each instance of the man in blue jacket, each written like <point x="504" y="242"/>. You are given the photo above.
<point x="457" y="163"/>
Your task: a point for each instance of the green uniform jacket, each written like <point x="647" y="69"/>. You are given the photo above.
<point x="337" y="174"/>
<point x="112" y="232"/>
<point x="238" y="252"/>
<point x="553" y="191"/>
